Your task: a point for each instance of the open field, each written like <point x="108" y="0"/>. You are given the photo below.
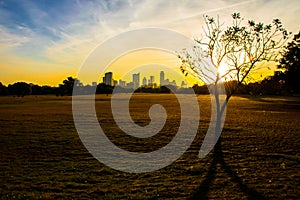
<point x="43" y="157"/>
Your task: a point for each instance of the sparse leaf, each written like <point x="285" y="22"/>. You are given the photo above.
<point x="251" y="23"/>
<point x="241" y="46"/>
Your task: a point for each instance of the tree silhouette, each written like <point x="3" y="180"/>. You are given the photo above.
<point x="20" y="89"/>
<point x="239" y="47"/>
<point x="3" y="89"/>
<point x="102" y="88"/>
<point x="290" y="64"/>
<point x="66" y="88"/>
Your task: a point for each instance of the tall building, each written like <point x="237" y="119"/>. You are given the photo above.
<point x="129" y="85"/>
<point x="173" y="83"/>
<point x="183" y="84"/>
<point x="162" y="78"/>
<point x="115" y="82"/>
<point x="136" y="80"/>
<point x="144" y="81"/>
<point x="152" y="80"/>
<point x="122" y="83"/>
<point x="94" y="84"/>
<point x="167" y="82"/>
<point x="107" y="79"/>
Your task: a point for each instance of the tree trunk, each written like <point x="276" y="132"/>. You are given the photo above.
<point x="218" y="149"/>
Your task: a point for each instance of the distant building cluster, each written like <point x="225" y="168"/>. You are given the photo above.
<point x="136" y="83"/>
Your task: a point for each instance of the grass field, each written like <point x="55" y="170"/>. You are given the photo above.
<point x="43" y="157"/>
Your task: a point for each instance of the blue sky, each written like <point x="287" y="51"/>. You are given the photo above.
<point x="43" y="41"/>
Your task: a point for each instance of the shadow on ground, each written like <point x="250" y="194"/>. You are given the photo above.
<point x="218" y="158"/>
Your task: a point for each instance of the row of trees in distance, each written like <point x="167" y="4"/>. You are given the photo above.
<point x="279" y="84"/>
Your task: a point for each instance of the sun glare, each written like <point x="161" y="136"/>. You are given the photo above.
<point x="223" y="70"/>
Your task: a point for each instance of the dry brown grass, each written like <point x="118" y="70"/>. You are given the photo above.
<point x="43" y="157"/>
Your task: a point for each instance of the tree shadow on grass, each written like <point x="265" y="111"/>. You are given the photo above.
<point x="218" y="158"/>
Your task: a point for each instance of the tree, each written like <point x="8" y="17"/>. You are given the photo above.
<point x="67" y="87"/>
<point x="241" y="47"/>
<point x="20" y="89"/>
<point x="200" y="89"/>
<point x="290" y="64"/>
<point x="36" y="89"/>
<point x="48" y="89"/>
<point x="102" y="88"/>
<point x="3" y="89"/>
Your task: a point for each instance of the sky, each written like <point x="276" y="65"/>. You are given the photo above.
<point x="44" y="41"/>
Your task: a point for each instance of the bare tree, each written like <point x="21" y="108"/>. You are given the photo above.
<point x="241" y="47"/>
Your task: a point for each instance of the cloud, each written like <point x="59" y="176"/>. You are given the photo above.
<point x="92" y="25"/>
<point x="64" y="32"/>
<point x="265" y="11"/>
<point x="96" y="22"/>
<point x="10" y="40"/>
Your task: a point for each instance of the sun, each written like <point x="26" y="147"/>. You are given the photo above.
<point x="226" y="73"/>
<point x="223" y="70"/>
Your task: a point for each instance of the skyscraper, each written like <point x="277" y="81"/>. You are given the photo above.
<point x="136" y="80"/>
<point x="162" y="78"/>
<point x="183" y="84"/>
<point x="94" y="84"/>
<point x="151" y="81"/>
<point x="107" y="79"/>
<point x="122" y="83"/>
<point x="173" y="83"/>
<point x="144" y="81"/>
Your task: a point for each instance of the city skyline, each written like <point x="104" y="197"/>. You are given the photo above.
<point x="136" y="81"/>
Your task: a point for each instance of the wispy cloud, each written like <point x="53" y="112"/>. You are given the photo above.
<point x="64" y="32"/>
<point x="10" y="40"/>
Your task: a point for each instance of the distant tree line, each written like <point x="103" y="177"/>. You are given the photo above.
<point x="22" y="89"/>
<point x="278" y="84"/>
<point x="272" y="85"/>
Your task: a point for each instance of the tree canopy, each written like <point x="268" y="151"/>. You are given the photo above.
<point x="290" y="64"/>
<point x="239" y="47"/>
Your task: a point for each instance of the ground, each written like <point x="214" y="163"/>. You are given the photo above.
<point x="42" y="155"/>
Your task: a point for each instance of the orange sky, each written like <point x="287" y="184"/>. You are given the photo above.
<point x="45" y="43"/>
